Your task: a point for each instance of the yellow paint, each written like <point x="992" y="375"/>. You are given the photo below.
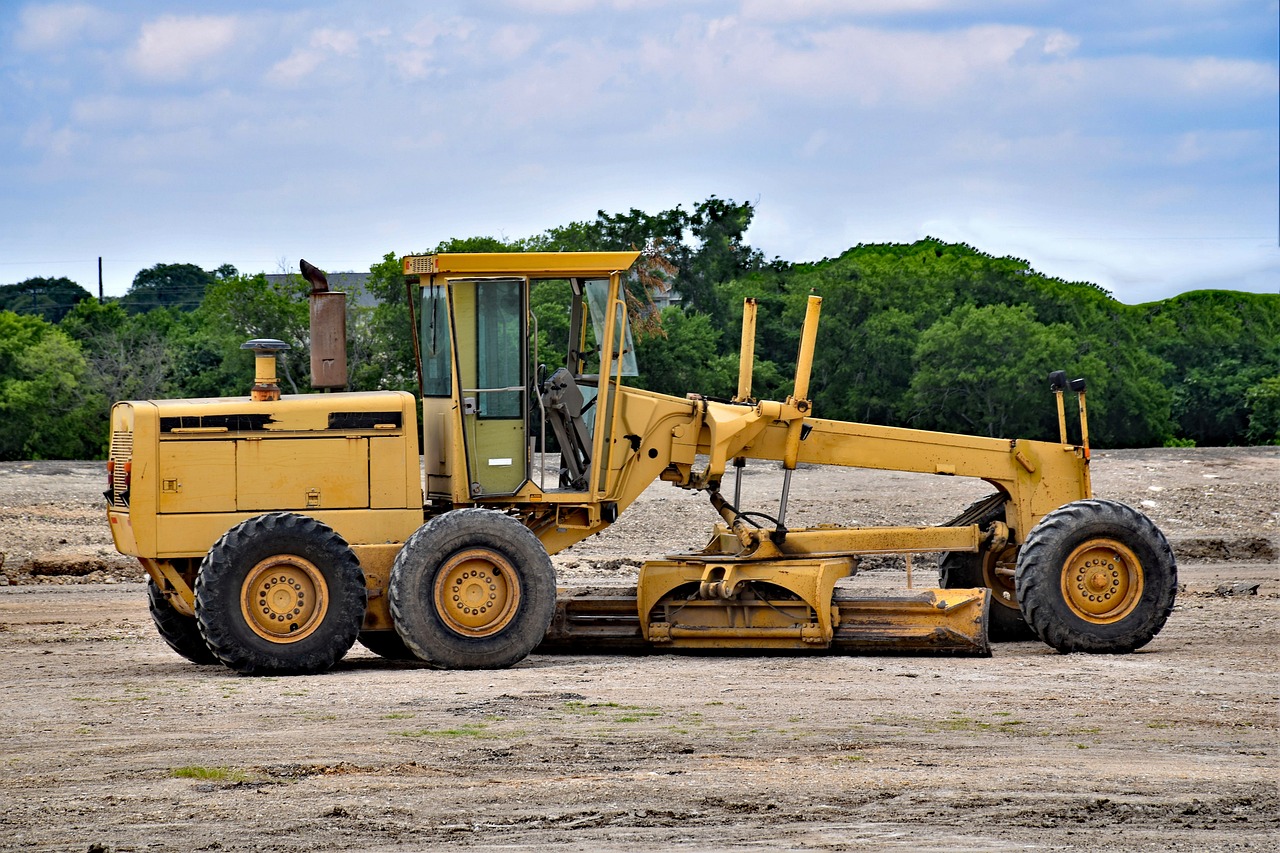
<point x="196" y="472"/>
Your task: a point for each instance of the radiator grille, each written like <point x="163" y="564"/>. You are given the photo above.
<point x="121" y="455"/>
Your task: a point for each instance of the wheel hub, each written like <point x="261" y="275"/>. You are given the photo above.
<point x="998" y="573"/>
<point x="284" y="598"/>
<point x="1102" y="581"/>
<point x="476" y="592"/>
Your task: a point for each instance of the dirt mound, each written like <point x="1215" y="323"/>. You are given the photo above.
<point x="70" y="567"/>
<point x="1238" y="549"/>
<point x="65" y="565"/>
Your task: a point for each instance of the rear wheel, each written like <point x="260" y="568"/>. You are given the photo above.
<point x="472" y="589"/>
<point x="178" y="630"/>
<point x="992" y="569"/>
<point x="1096" y="576"/>
<point x="280" y="594"/>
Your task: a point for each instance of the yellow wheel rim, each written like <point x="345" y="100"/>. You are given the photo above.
<point x="477" y="592"/>
<point x="284" y="598"/>
<point x="1102" y="581"/>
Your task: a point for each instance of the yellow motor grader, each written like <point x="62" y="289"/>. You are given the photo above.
<point x="277" y="530"/>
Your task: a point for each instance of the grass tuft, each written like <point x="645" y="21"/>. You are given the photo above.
<point x="209" y="774"/>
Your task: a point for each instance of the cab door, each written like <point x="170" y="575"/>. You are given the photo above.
<point x="489" y="327"/>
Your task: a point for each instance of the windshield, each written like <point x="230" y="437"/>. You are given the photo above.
<point x="597" y="297"/>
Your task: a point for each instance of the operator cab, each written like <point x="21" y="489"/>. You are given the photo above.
<point x="511" y="396"/>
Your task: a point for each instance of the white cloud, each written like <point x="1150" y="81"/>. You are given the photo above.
<point x="296" y="66"/>
<point x="1133" y="87"/>
<point x="1058" y="43"/>
<point x="1210" y="75"/>
<point x="834" y="65"/>
<point x="341" y="42"/>
<point x="171" y="47"/>
<point x="416" y="52"/>
<point x="45" y="27"/>
<point x="801" y="10"/>
<point x="553" y="7"/>
<point x="323" y="45"/>
<point x="512" y="41"/>
<point x="102" y="111"/>
<point x="1205" y="146"/>
<point x="44" y="137"/>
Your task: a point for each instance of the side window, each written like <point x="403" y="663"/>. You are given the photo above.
<point x="437" y="356"/>
<point x="499" y="348"/>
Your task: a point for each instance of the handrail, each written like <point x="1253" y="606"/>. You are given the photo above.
<point x="617" y="383"/>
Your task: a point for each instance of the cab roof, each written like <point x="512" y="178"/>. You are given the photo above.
<point x="533" y="264"/>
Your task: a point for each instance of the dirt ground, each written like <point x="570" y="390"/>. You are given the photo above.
<point x="113" y="742"/>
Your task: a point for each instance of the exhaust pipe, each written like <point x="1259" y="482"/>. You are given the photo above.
<point x="328" y="330"/>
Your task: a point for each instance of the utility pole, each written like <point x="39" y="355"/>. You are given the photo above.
<point x="99" y="278"/>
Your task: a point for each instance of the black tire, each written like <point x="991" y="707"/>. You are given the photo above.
<point x="280" y="594"/>
<point x="965" y="570"/>
<point x="1096" y="576"/>
<point x="472" y="589"/>
<point x="387" y="644"/>
<point x="178" y="630"/>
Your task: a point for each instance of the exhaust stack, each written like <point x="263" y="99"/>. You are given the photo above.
<point x="328" y="330"/>
<point x="266" y="387"/>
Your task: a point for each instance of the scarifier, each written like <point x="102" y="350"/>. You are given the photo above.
<point x="276" y="530"/>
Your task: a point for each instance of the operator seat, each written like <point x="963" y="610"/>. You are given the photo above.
<point x="563" y="402"/>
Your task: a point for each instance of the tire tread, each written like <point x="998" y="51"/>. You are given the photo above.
<point x="1038" y="579"/>
<point x="221" y="624"/>
<point x="409" y="594"/>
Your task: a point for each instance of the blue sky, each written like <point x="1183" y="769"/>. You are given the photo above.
<point x="1132" y="144"/>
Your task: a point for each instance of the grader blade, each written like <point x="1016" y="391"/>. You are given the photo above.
<point x="922" y="621"/>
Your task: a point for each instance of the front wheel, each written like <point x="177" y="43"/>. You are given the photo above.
<point x="1096" y="576"/>
<point x="472" y="589"/>
<point x="280" y="594"/>
<point x="993" y="569"/>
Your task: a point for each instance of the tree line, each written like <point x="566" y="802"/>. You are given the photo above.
<point x="929" y="334"/>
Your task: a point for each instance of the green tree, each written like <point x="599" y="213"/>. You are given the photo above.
<point x="879" y="364"/>
<point x="722" y="254"/>
<point x="387" y="359"/>
<point x="180" y="286"/>
<point x="1220" y="344"/>
<point x="685" y="357"/>
<point x="126" y="358"/>
<point x="467" y="245"/>
<point x="879" y="299"/>
<point x="702" y="249"/>
<point x="775" y="341"/>
<point x="549" y="304"/>
<point x="50" y="298"/>
<point x="1263" y="400"/>
<point x="981" y="369"/>
<point x="239" y="309"/>
<point x="43" y="404"/>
